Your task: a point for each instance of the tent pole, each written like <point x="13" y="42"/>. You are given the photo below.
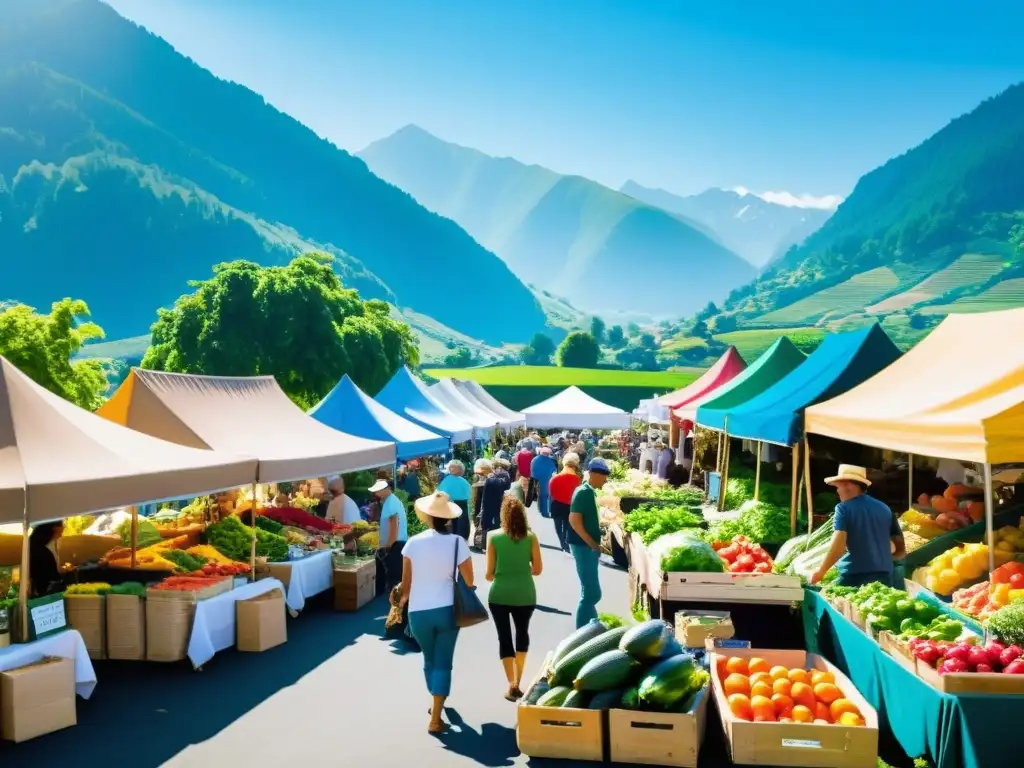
<point x="135" y="533"/>
<point x="693" y="455"/>
<point x="807" y="485"/>
<point x="990" y="535"/>
<point x="757" y="473"/>
<point x="725" y="468"/>
<point x="252" y="545"/>
<point x="24" y="575"/>
<point x="718" y="453"/>
<point x="794" y="491"/>
<point x="910" y="481"/>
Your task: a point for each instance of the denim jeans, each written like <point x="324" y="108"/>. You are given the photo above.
<point x="587" y="564"/>
<point x="436" y="633"/>
<point x="543" y="503"/>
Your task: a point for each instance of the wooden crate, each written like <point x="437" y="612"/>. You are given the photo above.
<point x="355" y="587"/>
<point x="992" y="683"/>
<point x="732" y="587"/>
<point x="898" y="650"/>
<point x="658" y="738"/>
<point x="568" y="734"/>
<point x="797" y="744"/>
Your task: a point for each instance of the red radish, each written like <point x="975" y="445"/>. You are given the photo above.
<point x="1014" y="668"/>
<point x="954" y="665"/>
<point x="979" y="657"/>
<point x="983" y="668"/>
<point x="996" y="648"/>
<point x="929" y="654"/>
<point x="958" y="652"/>
<point x="1010" y="654"/>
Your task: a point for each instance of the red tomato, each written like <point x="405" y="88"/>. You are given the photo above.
<point x="744" y="564"/>
<point x="730" y="553"/>
<point x="1017" y="581"/>
<point x="763" y="567"/>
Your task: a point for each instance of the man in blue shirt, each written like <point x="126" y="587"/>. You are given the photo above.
<point x="458" y="489"/>
<point x="394" y="532"/>
<point x="867" y="534"/>
<point x="542" y="468"/>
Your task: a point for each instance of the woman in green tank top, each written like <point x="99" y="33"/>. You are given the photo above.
<point x="513" y="559"/>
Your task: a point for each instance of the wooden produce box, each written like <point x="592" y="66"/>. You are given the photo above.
<point x="354" y="587"/>
<point x="558" y="732"/>
<point x="898" y="650"/>
<point x="797" y="744"/>
<point x="168" y="628"/>
<point x="658" y="738"/>
<point x="693" y="628"/>
<point x="732" y="587"/>
<point x="37" y="699"/>
<point x="87" y="614"/>
<point x="126" y="627"/>
<point x="992" y="683"/>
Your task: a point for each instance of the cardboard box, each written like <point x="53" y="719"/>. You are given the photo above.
<point x="37" y="699"/>
<point x="658" y="738"/>
<point x="569" y="734"/>
<point x="126" y="627"/>
<point x="280" y="571"/>
<point x="260" y="622"/>
<point x="168" y="628"/>
<point x="694" y="627"/>
<point x="355" y="587"/>
<point x="797" y="744"/>
<point x="773" y="588"/>
<point x="87" y="614"/>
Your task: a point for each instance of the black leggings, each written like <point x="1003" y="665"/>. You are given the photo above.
<point x="504" y="617"/>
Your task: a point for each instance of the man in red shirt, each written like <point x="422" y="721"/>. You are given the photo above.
<point x="523" y="459"/>
<point x="561" y="487"/>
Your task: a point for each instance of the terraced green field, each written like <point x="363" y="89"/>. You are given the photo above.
<point x="1008" y="294"/>
<point x="846" y="298"/>
<point x="545" y="376"/>
<point x="751" y="343"/>
<point x="969" y="269"/>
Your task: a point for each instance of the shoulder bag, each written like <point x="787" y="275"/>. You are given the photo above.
<point x="469" y="610"/>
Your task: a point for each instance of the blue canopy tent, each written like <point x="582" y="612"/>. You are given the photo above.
<point x="348" y="409"/>
<point x="841" y="362"/>
<point x="409" y="398"/>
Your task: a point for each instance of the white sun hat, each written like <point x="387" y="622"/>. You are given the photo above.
<point x="438" y="504"/>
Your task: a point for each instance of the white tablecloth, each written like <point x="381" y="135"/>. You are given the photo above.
<point x="310" y="576"/>
<point x="66" y="645"/>
<point x="213" y="628"/>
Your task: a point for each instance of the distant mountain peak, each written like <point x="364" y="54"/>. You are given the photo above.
<point x="789" y="200"/>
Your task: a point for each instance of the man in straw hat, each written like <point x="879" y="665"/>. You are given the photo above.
<point x="867" y="535"/>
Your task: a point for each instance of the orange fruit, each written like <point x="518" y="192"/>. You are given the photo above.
<point x="802" y="714"/>
<point x="783" y="704"/>
<point x="821" y="712"/>
<point x="827" y="692"/>
<point x="802" y="693"/>
<point x="821" y="676"/>
<point x="798" y="676"/>
<point x="736" y="683"/>
<point x="757" y="664"/>
<point x="739" y="705"/>
<point x="778" y="672"/>
<point x="850" y="718"/>
<point x="737" y="665"/>
<point x="761" y="689"/>
<point x="841" y="706"/>
<point x="761" y="677"/>
<point x="763" y="709"/>
<point x="782" y="686"/>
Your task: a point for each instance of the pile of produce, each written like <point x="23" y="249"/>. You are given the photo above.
<point x="892" y="610"/>
<point x="226" y="569"/>
<point x="233" y="539"/>
<point x="762" y="693"/>
<point x="78" y="524"/>
<point x="1008" y="623"/>
<point x="146" y="534"/>
<point x="741" y="555"/>
<point x="949" y="657"/>
<point x="690" y="553"/>
<point x="957" y="508"/>
<point x="639" y="484"/>
<point x="185" y="562"/>
<point x="920" y="524"/>
<point x="211" y="554"/>
<point x="268" y="524"/>
<point x="89" y="588"/>
<point x="640" y="667"/>
<point x="955" y="567"/>
<point x="651" y="521"/>
<point x="985" y="598"/>
<point x="296" y="518"/>
<point x="187" y="583"/>
<point x="803" y="554"/>
<point x="759" y="521"/>
<point x="134" y="588"/>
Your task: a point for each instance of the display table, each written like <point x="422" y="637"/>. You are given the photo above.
<point x="65" y="645"/>
<point x="969" y="730"/>
<point x="306" y="577"/>
<point x="213" y="628"/>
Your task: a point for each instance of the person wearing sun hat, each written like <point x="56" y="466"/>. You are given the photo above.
<point x="394" y="530"/>
<point x="584" y="537"/>
<point x="429" y="561"/>
<point x="867" y="534"/>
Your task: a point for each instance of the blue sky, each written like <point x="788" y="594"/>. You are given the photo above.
<point x="794" y="96"/>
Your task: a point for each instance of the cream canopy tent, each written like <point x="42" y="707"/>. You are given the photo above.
<point x="573" y="408"/>
<point x="476" y="393"/>
<point x="252" y="416"/>
<point x="452" y="401"/>
<point x="57" y="459"/>
<point x="972" y="411"/>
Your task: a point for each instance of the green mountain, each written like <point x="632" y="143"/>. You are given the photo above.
<point x="127" y="169"/>
<point x="597" y="248"/>
<point x="935" y="230"/>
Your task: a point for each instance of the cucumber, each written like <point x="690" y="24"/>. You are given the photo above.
<point x="576" y="700"/>
<point x="606" y="699"/>
<point x="555" y="697"/>
<point x="611" y="669"/>
<point x="672" y="648"/>
<point x="566" y="670"/>
<point x="646" y="641"/>
<point x="630" y="699"/>
<point x="588" y="631"/>
<point x="538" y="690"/>
<point x="671" y="680"/>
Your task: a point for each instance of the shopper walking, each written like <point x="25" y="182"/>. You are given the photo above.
<point x="542" y="468"/>
<point x="482" y="470"/>
<point x="429" y="563"/>
<point x="458" y="489"/>
<point x="585" y="540"/>
<point x="561" y="488"/>
<point x="495" y="487"/>
<point x="393" y="533"/>
<point x="513" y="559"/>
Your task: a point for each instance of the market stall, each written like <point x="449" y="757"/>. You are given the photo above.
<point x="477" y="394"/>
<point x="572" y="408"/>
<point x="409" y="397"/>
<point x="348" y="409"/>
<point x="214" y="622"/>
<point x="503" y="419"/>
<point x="726" y="368"/>
<point x="448" y="397"/>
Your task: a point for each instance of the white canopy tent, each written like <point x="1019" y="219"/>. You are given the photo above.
<point x="482" y="420"/>
<point x="572" y="408"/>
<point x="475" y="393"/>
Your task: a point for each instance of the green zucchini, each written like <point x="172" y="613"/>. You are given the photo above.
<point x="566" y="670"/>
<point x="611" y="669"/>
<point x="606" y="699"/>
<point x="575" y="700"/>
<point x="539" y="689"/>
<point x="588" y="631"/>
<point x="555" y="697"/>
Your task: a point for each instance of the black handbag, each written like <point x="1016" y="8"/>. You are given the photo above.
<point x="469" y="610"/>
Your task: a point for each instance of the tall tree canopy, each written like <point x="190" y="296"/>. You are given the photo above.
<point x="296" y="323"/>
<point x="597" y="329"/>
<point x="579" y="350"/>
<point x="539" y="351"/>
<point x="42" y="347"/>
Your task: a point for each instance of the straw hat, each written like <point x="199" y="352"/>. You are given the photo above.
<point x="438" y="505"/>
<point x="850" y="473"/>
<point x="380" y="485"/>
<point x="482" y="466"/>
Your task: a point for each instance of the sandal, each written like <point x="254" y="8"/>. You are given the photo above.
<point x="439" y="728"/>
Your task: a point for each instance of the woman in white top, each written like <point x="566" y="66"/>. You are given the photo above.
<point x="429" y="560"/>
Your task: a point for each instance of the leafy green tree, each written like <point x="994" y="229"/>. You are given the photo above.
<point x="597" y="329"/>
<point x="615" y="337"/>
<point x="632" y="330"/>
<point x="647" y="341"/>
<point x="579" y="350"/>
<point x="539" y="350"/>
<point x="462" y="357"/>
<point x="700" y="329"/>
<point x="43" y="348"/>
<point x="295" y="322"/>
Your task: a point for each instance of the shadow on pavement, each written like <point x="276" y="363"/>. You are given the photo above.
<point x="549" y="609"/>
<point x="493" y="746"/>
